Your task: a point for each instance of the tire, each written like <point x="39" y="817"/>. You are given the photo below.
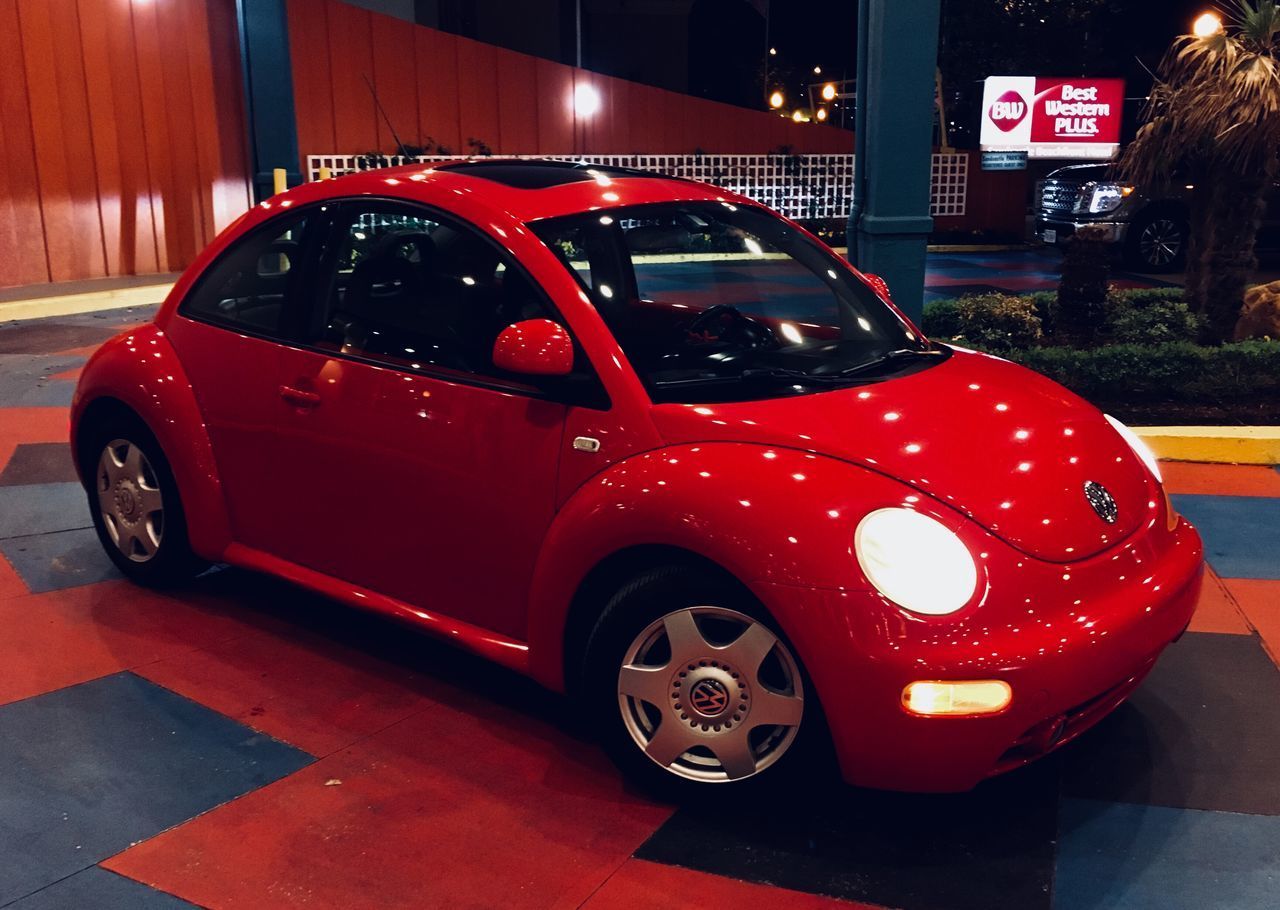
<point x="674" y="650"/>
<point x="1157" y="243"/>
<point x="134" y="502"/>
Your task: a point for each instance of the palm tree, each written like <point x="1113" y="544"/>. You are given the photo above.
<point x="1213" y="121"/>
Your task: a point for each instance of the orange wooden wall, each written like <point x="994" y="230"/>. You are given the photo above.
<point x="434" y="84"/>
<point x="122" y="140"/>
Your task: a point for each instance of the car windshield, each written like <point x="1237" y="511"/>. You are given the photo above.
<point x="713" y="301"/>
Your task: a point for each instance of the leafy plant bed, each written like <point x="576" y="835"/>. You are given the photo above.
<point x="1141" y="363"/>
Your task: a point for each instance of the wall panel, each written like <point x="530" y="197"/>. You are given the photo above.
<point x="514" y="103"/>
<point x="122" y="142"/>
<point x="23" y="259"/>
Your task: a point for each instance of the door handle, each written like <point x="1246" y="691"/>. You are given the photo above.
<point x="299" y="398"/>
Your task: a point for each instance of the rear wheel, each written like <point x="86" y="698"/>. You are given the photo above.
<point x="1157" y="243"/>
<point x="136" y="509"/>
<point x="693" y="686"/>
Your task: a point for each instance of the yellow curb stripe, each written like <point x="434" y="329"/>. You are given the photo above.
<point x="1217" y="445"/>
<point x="92" y="302"/>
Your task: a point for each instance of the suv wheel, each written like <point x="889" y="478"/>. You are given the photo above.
<point x="134" y="502"/>
<point x="1157" y="243"/>
<point x="692" y="686"/>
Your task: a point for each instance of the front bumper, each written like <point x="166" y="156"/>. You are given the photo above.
<point x="1072" y="641"/>
<point x="1056" y="230"/>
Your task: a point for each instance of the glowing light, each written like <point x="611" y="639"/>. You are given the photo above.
<point x="791" y="333"/>
<point x="776" y="100"/>
<point x="586" y="100"/>
<point x="822" y="114"/>
<point x="828" y="91"/>
<point x="892" y="546"/>
<point x="985" y="696"/>
<point x="1207" y="25"/>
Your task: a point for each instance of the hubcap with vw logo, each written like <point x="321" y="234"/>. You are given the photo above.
<point x="710" y="694"/>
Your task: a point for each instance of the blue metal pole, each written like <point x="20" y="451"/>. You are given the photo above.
<point x="268" y="92"/>
<point x="889" y="223"/>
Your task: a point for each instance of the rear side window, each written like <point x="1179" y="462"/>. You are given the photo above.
<point x="246" y="287"/>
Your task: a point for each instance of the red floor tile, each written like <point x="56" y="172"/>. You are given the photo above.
<point x="1219" y="479"/>
<point x="307" y="691"/>
<point x="655" y="886"/>
<point x="1259" y="600"/>
<point x="1217" y="610"/>
<point x="10" y="583"/>
<point x="66" y="637"/>
<point x="482" y="807"/>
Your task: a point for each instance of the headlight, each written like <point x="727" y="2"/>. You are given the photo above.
<point x="1102" y="197"/>
<point x="1139" y="447"/>
<point x="915" y="562"/>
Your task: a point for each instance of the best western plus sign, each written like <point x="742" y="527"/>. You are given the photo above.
<point x="1052" y="118"/>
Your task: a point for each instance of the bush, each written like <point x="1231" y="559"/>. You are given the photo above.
<point x="995" y="322"/>
<point x="1174" y="371"/>
<point x="1152" y="318"/>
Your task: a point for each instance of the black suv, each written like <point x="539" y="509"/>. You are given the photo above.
<point x="1149" y="229"/>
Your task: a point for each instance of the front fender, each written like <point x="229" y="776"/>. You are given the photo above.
<point x="140" y="369"/>
<point x="770" y="516"/>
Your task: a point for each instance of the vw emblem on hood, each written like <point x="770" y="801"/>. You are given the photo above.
<point x="1102" y="501"/>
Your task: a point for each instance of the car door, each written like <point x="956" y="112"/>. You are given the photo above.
<point x="228" y="335"/>
<point x="406" y="462"/>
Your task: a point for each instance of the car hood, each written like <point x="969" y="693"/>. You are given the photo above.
<point x="1005" y="446"/>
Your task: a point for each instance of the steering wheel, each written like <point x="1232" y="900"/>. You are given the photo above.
<point x="727" y="324"/>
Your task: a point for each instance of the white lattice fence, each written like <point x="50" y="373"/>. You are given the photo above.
<point x="804" y="187"/>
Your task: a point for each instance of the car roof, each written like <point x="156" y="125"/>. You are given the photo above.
<point x="526" y="189"/>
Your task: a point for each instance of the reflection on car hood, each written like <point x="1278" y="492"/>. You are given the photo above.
<point x="1003" y="445"/>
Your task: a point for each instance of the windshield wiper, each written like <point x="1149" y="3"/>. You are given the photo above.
<point x="890" y="358"/>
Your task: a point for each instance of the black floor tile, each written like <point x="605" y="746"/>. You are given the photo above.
<point x="1203" y="732"/>
<point x="986" y="850"/>
<point x="39" y="462"/>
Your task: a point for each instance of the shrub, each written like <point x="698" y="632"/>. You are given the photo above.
<point x="996" y="322"/>
<point x="1176" y="370"/>
<point x="1151" y="318"/>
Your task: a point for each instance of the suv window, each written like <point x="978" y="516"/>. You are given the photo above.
<point x="246" y="287"/>
<point x="417" y="292"/>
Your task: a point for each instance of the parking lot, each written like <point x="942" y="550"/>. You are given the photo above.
<point x="243" y="743"/>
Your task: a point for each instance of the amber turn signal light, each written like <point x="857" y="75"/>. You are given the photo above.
<point x="985" y="696"/>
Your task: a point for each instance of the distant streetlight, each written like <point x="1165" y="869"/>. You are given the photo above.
<point x="586" y="100"/>
<point x="773" y="52"/>
<point x="1208" y="25"/>
<point x="817" y="71"/>
<point x="776" y="100"/>
<point x="799" y="116"/>
<point x="822" y="113"/>
<point x="829" y="91"/>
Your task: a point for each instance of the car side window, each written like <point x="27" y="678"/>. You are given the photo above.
<point x="419" y="293"/>
<point x="246" y="287"/>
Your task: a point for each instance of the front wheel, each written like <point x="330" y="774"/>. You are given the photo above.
<point x="136" y="509"/>
<point x="692" y="686"/>
<point x="1157" y="243"/>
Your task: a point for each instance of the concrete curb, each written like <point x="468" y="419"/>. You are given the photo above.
<point x="91" y="302"/>
<point x="1218" y="445"/>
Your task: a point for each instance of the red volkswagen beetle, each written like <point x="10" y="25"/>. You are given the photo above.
<point x="652" y="445"/>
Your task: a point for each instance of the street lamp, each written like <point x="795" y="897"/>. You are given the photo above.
<point x="829" y="91"/>
<point x="776" y="100"/>
<point x="822" y="113"/>
<point x="586" y="100"/>
<point x="1207" y="25"/>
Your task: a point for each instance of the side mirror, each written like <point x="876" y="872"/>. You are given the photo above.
<point x="879" y="285"/>
<point x="534" y="347"/>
